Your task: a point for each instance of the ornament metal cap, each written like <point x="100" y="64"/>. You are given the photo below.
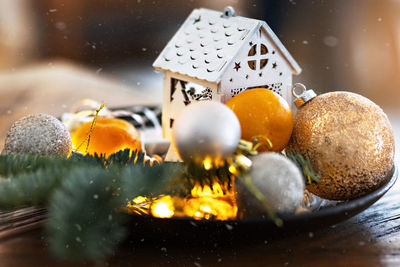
<point x="303" y="96"/>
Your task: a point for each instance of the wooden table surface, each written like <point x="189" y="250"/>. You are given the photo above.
<point x="371" y="238"/>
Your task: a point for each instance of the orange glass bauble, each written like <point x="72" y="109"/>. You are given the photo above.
<point x="108" y="136"/>
<point x="263" y="113"/>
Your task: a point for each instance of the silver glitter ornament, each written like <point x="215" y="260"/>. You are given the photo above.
<point x="206" y="129"/>
<point x="278" y="179"/>
<point x="38" y="134"/>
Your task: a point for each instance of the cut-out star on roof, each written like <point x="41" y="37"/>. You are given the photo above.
<point x="237" y="66"/>
<point x="197" y="20"/>
<point x="274" y="65"/>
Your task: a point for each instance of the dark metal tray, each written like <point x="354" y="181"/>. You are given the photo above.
<point x="185" y="230"/>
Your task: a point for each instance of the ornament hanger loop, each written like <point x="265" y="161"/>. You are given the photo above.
<point x="301" y="86"/>
<point x="303" y="96"/>
<point x="229" y="12"/>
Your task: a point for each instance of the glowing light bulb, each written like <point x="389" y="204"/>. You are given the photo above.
<point x="163" y="207"/>
<point x="207" y="164"/>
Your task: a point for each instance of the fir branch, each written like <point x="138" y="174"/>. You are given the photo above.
<point x="12" y="165"/>
<point x="199" y="175"/>
<point x="31" y="179"/>
<point x="150" y="180"/>
<point x="126" y="158"/>
<point x="84" y="195"/>
<point x="84" y="222"/>
<point x="310" y="176"/>
<point x="121" y="158"/>
<point x="98" y="160"/>
<point x="30" y="189"/>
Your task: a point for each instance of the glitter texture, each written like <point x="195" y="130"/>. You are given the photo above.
<point x="38" y="134"/>
<point x="349" y="141"/>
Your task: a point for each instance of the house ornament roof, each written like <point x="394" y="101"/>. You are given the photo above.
<point x="209" y="40"/>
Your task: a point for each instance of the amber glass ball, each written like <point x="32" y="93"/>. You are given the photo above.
<point x="263" y="113"/>
<point x="108" y="136"/>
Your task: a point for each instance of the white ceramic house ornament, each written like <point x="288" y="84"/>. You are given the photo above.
<point x="215" y="56"/>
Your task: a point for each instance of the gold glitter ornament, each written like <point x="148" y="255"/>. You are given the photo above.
<point x="348" y="139"/>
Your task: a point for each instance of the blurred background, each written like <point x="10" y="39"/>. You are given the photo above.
<point x="51" y="44"/>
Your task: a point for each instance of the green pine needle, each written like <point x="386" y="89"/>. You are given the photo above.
<point x="29" y="189"/>
<point x="150" y="180"/>
<point x="121" y="158"/>
<point x="12" y="165"/>
<point x="29" y="180"/>
<point x="84" y="222"/>
<point x="84" y="196"/>
<point x="198" y="175"/>
<point x="310" y="176"/>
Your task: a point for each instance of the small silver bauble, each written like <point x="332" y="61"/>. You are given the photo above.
<point x="278" y="179"/>
<point x="206" y="129"/>
<point x="38" y="134"/>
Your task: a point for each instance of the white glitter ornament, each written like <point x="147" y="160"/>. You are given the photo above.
<point x="38" y="134"/>
<point x="278" y="179"/>
<point x="206" y="129"/>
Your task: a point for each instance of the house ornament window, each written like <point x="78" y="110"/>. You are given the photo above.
<point x="257" y="56"/>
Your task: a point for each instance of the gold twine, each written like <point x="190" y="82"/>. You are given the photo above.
<point x="87" y="139"/>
